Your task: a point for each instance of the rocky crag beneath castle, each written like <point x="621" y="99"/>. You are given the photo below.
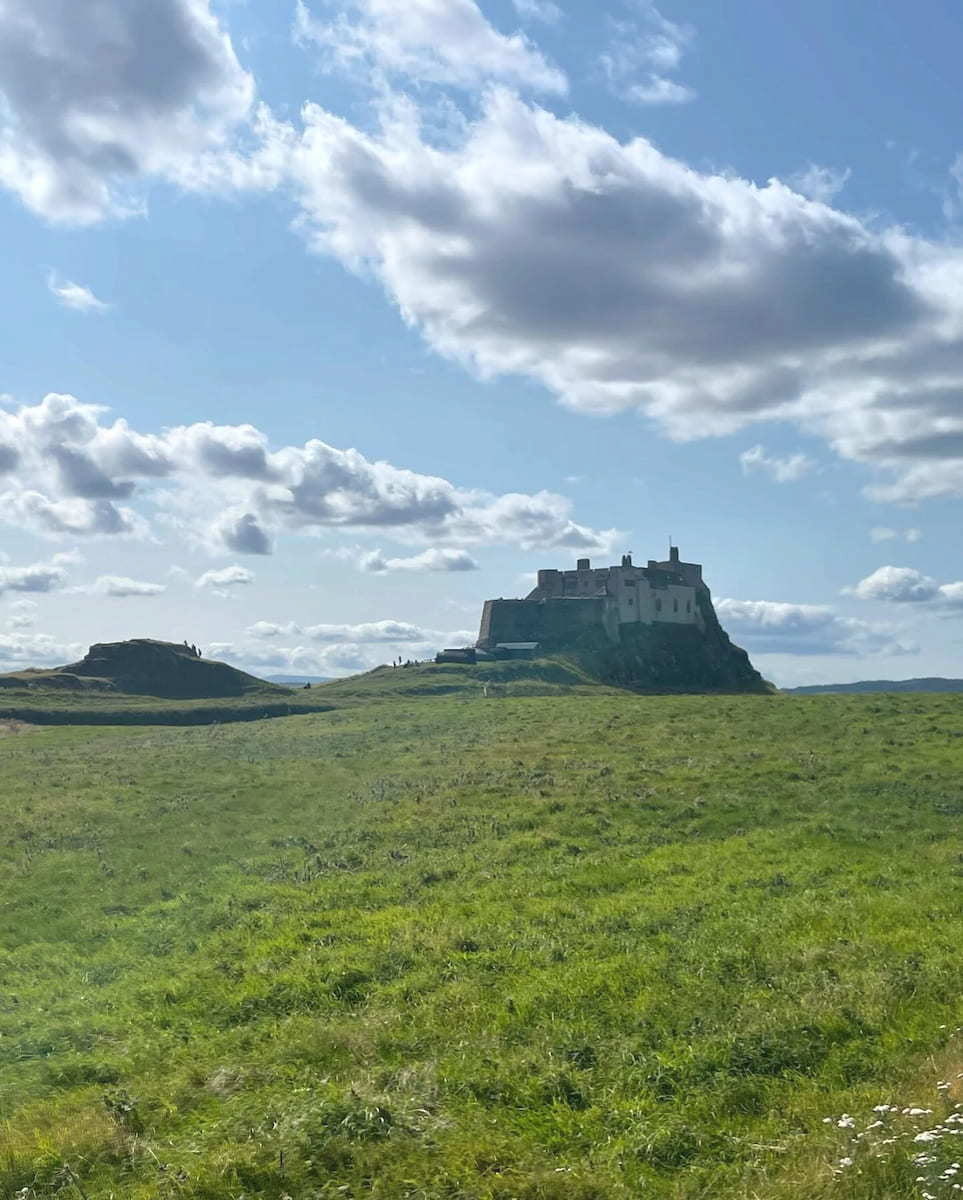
<point x="653" y="628"/>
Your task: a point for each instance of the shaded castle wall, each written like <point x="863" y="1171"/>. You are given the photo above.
<point x="548" y="622"/>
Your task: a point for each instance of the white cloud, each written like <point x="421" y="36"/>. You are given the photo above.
<point x="226" y="577"/>
<point x="621" y="278"/>
<point x="774" y="627"/>
<point x="820" y="183"/>
<point x="38" y="577"/>
<point x="35" y="649"/>
<point x="395" y="632"/>
<point x="782" y="470"/>
<point x="640" y="55"/>
<point x="74" y="295"/>
<point x="225" y="488"/>
<point x="882" y="533"/>
<point x="445" y="42"/>
<point x="22" y="614"/>
<point x="906" y="585"/>
<point x="433" y="559"/>
<point x="898" y="584"/>
<point x="336" y="649"/>
<point x="95" y="98"/>
<point x="118" y="585"/>
<point x="538" y="10"/>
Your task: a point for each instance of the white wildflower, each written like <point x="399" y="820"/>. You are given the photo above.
<point x="845" y="1122"/>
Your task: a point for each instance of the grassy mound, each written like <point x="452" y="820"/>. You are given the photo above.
<point x="145" y="682"/>
<point x="590" y="947"/>
<point x="541" y="677"/>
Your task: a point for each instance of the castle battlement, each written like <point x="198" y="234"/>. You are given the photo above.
<point x="565" y="603"/>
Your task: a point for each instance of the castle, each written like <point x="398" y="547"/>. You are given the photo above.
<point x="565" y="604"/>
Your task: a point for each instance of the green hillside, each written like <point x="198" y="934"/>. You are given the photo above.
<point x="145" y="682"/>
<point x="592" y="946"/>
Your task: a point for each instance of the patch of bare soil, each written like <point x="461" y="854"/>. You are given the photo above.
<point x="10" y="727"/>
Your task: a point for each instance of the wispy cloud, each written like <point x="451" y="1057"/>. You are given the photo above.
<point x="74" y="295"/>
<point x="882" y="533"/>
<point x="642" y="54"/>
<point x="782" y="470"/>
<point x="538" y="10"/>
<point x="120" y="586"/>
<point x="435" y="559"/>
<point x="447" y="42"/>
<point x="820" y="183"/>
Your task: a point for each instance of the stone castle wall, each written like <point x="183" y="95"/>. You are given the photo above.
<point x="564" y="603"/>
<point x="548" y="622"/>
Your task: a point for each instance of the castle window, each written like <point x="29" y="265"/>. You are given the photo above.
<point x="675" y="605"/>
<point x="631" y="601"/>
<point x="658" y="606"/>
<point x="688" y="606"/>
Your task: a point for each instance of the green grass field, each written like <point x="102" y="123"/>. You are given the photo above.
<point x="582" y="947"/>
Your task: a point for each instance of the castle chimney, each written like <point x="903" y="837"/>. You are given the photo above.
<point x="673" y="554"/>
<point x="626" y="560"/>
<point x="583" y="564"/>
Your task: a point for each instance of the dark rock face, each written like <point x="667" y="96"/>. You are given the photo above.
<point x="149" y="668"/>
<point x="671" y="658"/>
<point x="657" y="657"/>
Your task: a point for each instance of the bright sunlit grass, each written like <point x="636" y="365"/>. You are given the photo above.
<point x="536" y="948"/>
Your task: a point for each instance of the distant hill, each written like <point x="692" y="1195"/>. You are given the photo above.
<point x="145" y="667"/>
<point x="294" y="680"/>
<point x="882" y="685"/>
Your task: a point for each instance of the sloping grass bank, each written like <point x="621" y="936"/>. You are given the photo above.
<point x="586" y="947"/>
<point x="41" y="706"/>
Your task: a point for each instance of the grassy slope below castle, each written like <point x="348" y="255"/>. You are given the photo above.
<point x="567" y="948"/>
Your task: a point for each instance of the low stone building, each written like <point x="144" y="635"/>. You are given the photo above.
<point x="566" y="604"/>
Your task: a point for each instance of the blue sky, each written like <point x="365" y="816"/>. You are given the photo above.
<point x="323" y="322"/>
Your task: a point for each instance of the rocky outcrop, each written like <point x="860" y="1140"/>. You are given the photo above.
<point x="672" y="658"/>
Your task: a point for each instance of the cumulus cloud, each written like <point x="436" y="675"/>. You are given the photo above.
<point x="773" y="627"/>
<point x="226" y="577"/>
<point x="120" y="586"/>
<point x="223" y="484"/>
<point x="641" y="56"/>
<point x="74" y="295"/>
<point x="336" y="649"/>
<point x="906" y="585"/>
<point x="38" y="577"/>
<point x="782" y="470"/>
<point x="35" y="650"/>
<point x="621" y="278"/>
<point x="96" y="97"/>
<point x="433" y="559"/>
<point x="243" y="534"/>
<point x="445" y="42"/>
